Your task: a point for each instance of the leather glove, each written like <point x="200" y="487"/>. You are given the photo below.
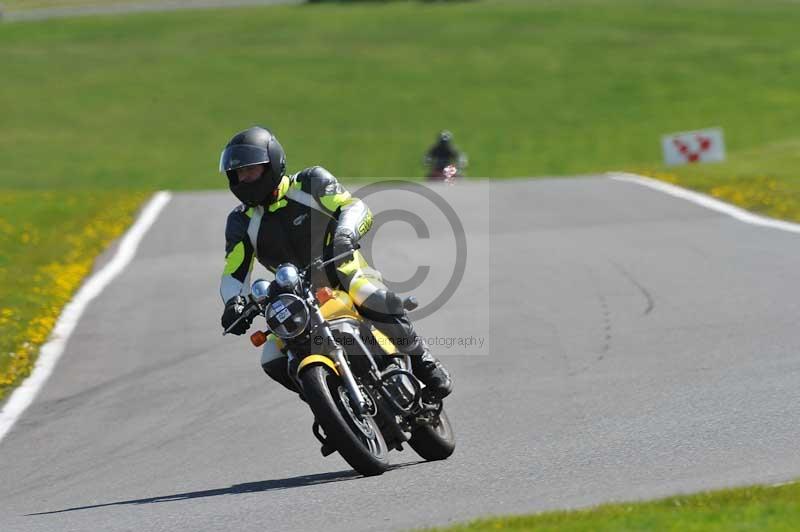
<point x="342" y="241"/>
<point x="233" y="310"/>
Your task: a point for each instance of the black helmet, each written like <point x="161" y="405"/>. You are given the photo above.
<point x="256" y="145"/>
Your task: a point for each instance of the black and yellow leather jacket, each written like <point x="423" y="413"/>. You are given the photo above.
<point x="296" y="226"/>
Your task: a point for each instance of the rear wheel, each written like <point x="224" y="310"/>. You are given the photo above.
<point x="434" y="442"/>
<point x="357" y="438"/>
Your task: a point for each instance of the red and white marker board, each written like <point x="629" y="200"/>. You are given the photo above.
<point x="703" y="146"/>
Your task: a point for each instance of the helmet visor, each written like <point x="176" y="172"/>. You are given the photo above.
<point x="240" y="155"/>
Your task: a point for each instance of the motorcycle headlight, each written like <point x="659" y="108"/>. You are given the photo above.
<point x="287" y="316"/>
<point x="287" y="276"/>
<point x="260" y="290"/>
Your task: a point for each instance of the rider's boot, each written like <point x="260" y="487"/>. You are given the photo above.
<point x="387" y="313"/>
<point x="424" y="366"/>
<point x="430" y="371"/>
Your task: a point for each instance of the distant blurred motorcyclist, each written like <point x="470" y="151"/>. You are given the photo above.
<point x="296" y="219"/>
<point x="443" y="158"/>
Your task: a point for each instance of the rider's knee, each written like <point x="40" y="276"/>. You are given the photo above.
<point x="382" y="304"/>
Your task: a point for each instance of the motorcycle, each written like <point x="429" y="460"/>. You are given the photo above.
<point x="360" y="388"/>
<point x="448" y="174"/>
<point x="446" y="170"/>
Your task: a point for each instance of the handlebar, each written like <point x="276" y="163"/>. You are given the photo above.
<point x="318" y="263"/>
<point x="252" y="307"/>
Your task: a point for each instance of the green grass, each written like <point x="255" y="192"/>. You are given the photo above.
<point x="529" y="88"/>
<point x="48" y="241"/>
<point x="756" y="508"/>
<point x="21" y="5"/>
<point x="764" y="179"/>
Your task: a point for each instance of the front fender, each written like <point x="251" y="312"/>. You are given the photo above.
<point x="317" y="360"/>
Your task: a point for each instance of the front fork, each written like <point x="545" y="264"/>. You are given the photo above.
<point x="336" y="353"/>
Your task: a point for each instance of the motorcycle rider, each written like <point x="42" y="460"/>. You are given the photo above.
<point x="443" y="153"/>
<point x="296" y="218"/>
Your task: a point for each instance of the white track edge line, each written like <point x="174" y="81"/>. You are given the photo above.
<point x="51" y="351"/>
<point x="706" y="201"/>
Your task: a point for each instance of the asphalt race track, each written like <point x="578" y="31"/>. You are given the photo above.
<point x="636" y="345"/>
<point x="46" y="13"/>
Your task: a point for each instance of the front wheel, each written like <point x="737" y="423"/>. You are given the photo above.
<point x="434" y="442"/>
<point x="357" y="438"/>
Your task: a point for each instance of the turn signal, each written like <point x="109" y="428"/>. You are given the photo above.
<point x="258" y="338"/>
<point x="324" y="294"/>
